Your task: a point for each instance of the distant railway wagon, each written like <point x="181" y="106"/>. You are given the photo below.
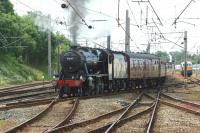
<point x="188" y="68"/>
<point x="87" y="71"/>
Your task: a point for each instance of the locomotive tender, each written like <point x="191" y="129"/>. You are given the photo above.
<point x="87" y="71"/>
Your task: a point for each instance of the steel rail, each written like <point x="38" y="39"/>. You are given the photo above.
<point x="183" y="101"/>
<point x="17" y="87"/>
<point x="180" y="107"/>
<point x="124" y="113"/>
<point x="153" y="115"/>
<point x="176" y="106"/>
<point x="28" y="103"/>
<point x="69" y="115"/>
<point x="25" y="104"/>
<point x="123" y="120"/>
<point x="85" y="122"/>
<point x="198" y="80"/>
<point x="24" y="96"/>
<point x="26" y="90"/>
<point x="194" y="80"/>
<point x="14" y="129"/>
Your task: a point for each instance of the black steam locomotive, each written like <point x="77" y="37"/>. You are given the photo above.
<point x="88" y="71"/>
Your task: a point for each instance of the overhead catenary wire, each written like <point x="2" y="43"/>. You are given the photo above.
<point x="164" y="36"/>
<point x="22" y="3"/>
<point x="97" y="12"/>
<point x="132" y="13"/>
<point x="74" y="9"/>
<point x="182" y="12"/>
<point x="154" y="11"/>
<point x="177" y="40"/>
<point x="8" y="44"/>
<point x="10" y="47"/>
<point x="57" y="2"/>
<point x="113" y="18"/>
<point x="128" y="35"/>
<point x="99" y="44"/>
<point x="4" y="40"/>
<point x="101" y="13"/>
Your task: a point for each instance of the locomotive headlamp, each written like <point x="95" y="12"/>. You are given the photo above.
<point x="81" y="77"/>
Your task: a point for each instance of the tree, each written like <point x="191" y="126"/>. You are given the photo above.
<point x="163" y="55"/>
<point x="19" y="31"/>
<point x="6" y="6"/>
<point x="178" y="57"/>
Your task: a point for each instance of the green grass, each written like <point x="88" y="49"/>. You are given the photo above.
<point x="13" y="72"/>
<point x="2" y="123"/>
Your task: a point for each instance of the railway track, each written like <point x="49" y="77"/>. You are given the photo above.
<point x="194" y="80"/>
<point x="26" y="92"/>
<point x="116" y="120"/>
<point x="32" y="94"/>
<point x="25" y="89"/>
<point x="46" y="102"/>
<point x="14" y="103"/>
<point x="179" y="87"/>
<point x="56" y="114"/>
<point x="27" y="96"/>
<point x="119" y="117"/>
<point x="164" y="99"/>
<point x="131" y="117"/>
<point x="109" y="121"/>
<point x="21" y="87"/>
<point x="179" y="104"/>
<point x="184" y="114"/>
<point x="24" y="104"/>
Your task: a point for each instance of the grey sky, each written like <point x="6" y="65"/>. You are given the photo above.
<point x="107" y="10"/>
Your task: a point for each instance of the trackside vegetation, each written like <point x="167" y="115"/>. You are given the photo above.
<point x="24" y="47"/>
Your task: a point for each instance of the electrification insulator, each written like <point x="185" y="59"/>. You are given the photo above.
<point x="90" y="27"/>
<point x="64" y="6"/>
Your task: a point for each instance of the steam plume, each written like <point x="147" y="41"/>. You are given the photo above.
<point x="75" y="19"/>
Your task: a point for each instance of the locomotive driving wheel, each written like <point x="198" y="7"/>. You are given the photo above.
<point x="61" y="92"/>
<point x="80" y="91"/>
<point x="99" y="86"/>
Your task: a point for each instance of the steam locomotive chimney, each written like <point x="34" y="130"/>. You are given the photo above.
<point x="108" y="42"/>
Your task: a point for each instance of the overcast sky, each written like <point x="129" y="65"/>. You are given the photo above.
<point x="106" y="11"/>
